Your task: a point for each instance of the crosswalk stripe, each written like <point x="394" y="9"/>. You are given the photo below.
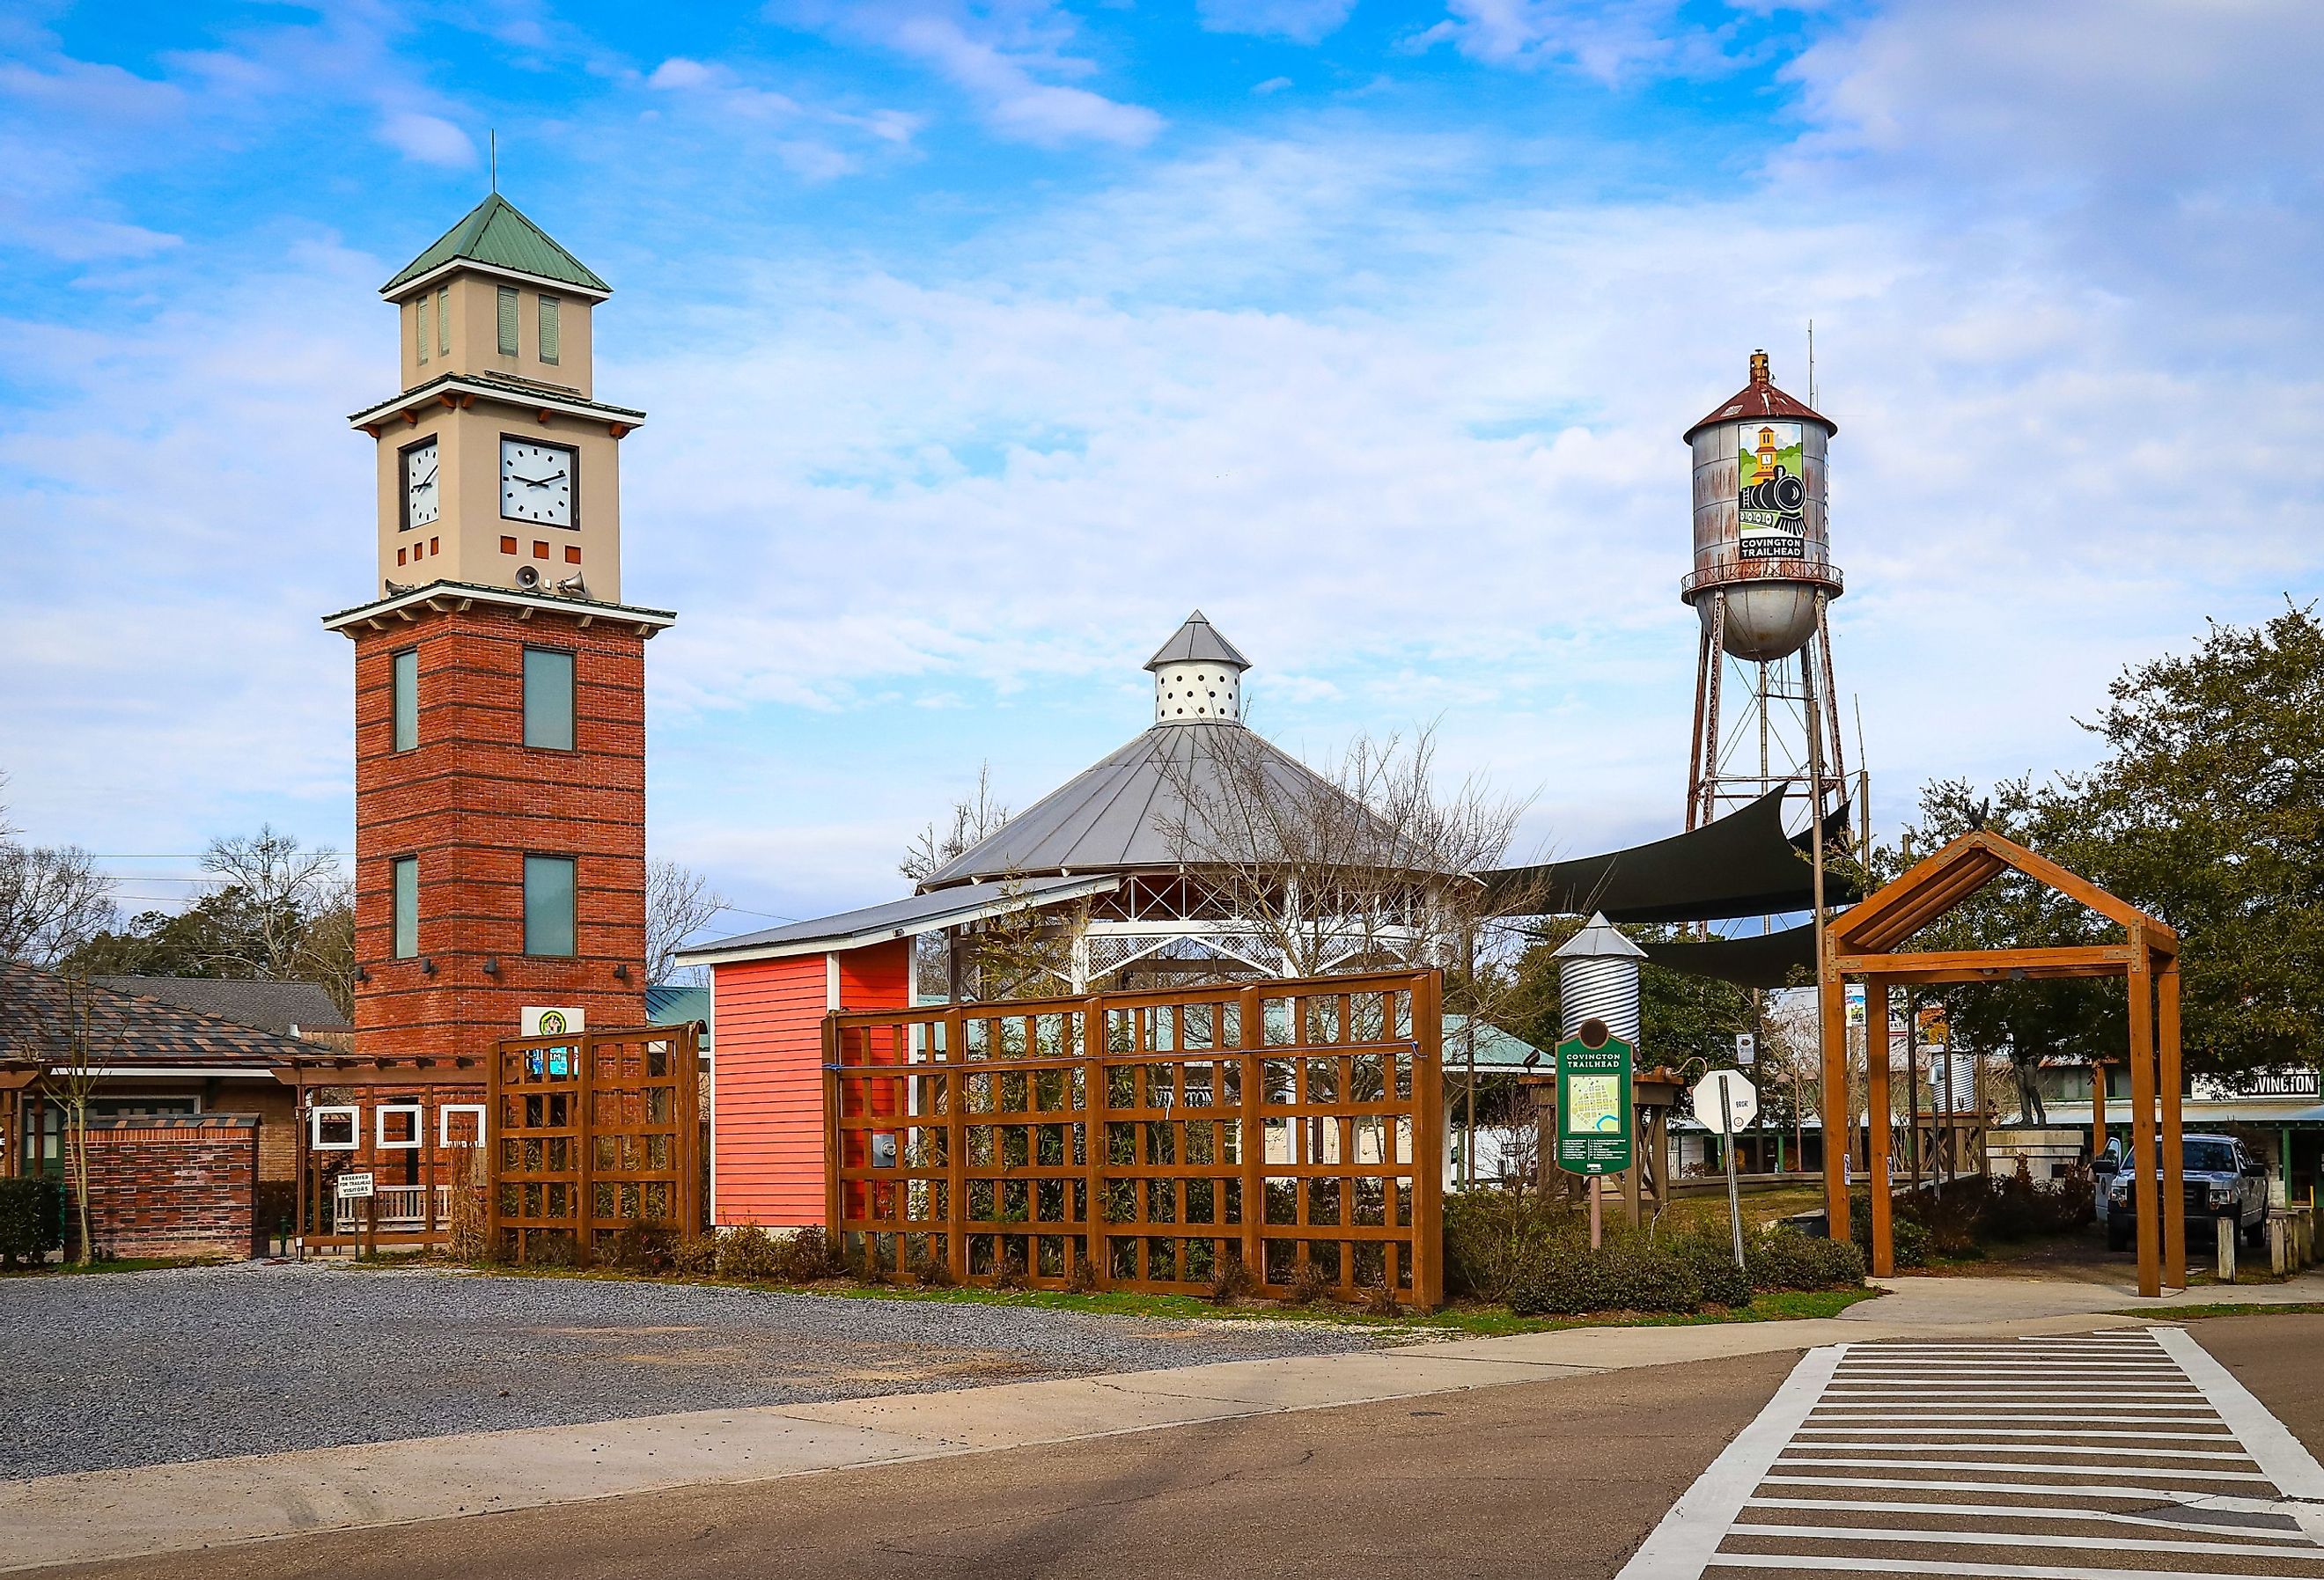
<point x="2176" y="1418"/>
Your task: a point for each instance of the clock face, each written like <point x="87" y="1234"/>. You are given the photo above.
<point x="423" y="498"/>
<point x="536" y="482"/>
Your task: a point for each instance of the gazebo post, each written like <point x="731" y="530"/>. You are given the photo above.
<point x="1834" y="1021"/>
<point x="2174" y="1224"/>
<point x="2144" y="1153"/>
<point x="1876" y="1121"/>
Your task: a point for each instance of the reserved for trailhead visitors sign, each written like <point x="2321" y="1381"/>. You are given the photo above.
<point x="1593" y="1102"/>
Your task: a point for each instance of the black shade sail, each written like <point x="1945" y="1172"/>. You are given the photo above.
<point x="1743" y="865"/>
<point x="1754" y="960"/>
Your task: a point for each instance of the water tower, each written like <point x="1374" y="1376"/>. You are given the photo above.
<point x="1762" y="577"/>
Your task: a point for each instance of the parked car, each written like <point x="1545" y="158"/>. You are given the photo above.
<point x="2222" y="1180"/>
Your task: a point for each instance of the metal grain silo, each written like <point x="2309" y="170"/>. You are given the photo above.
<point x="1598" y="980"/>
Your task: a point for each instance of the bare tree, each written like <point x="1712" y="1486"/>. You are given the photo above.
<point x="679" y="903"/>
<point x="326" y="950"/>
<point x="1362" y="867"/>
<point x="75" y="1041"/>
<point x="974" y="818"/>
<point x="52" y="900"/>
<point x="283" y="887"/>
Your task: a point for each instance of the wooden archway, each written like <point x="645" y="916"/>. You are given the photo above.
<point x="1865" y="942"/>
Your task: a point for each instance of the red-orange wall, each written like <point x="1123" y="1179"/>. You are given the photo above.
<point x="767" y="1082"/>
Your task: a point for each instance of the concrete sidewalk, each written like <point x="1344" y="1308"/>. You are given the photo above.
<point x="157" y="1509"/>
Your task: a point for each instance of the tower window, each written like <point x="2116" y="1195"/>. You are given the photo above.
<point x="548" y="328"/>
<point x="419" y="336"/>
<point x="444" y="320"/>
<point x="549" y="884"/>
<point x="405" y="695"/>
<point x="406" y="889"/>
<point x="508" y="320"/>
<point x="548" y="698"/>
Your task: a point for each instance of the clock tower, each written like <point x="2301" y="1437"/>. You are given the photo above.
<point x="499" y="680"/>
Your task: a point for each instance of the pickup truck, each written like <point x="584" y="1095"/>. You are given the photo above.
<point x="2221" y="1181"/>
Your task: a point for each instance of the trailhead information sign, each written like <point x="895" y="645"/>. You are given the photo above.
<point x="1593" y="1102"/>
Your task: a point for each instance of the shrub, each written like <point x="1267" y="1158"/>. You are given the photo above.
<point x="1712" y="1261"/>
<point x="1627" y="1274"/>
<point x="1908" y="1236"/>
<point x="805" y="1256"/>
<point x="1789" y="1259"/>
<point x="644" y="1248"/>
<point x="694" y="1255"/>
<point x="1231" y="1283"/>
<point x="749" y="1253"/>
<point x="1494" y="1237"/>
<point x="1308" y="1285"/>
<point x="1082" y="1279"/>
<point x="31" y="1219"/>
<point x="1381" y="1300"/>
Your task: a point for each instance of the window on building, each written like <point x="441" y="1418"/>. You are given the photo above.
<point x="548" y="698"/>
<point x="444" y="320"/>
<point x="419" y="334"/>
<point x="548" y="883"/>
<point x="406" y="887"/>
<point x="548" y="328"/>
<point x="508" y="320"/>
<point x="406" y="692"/>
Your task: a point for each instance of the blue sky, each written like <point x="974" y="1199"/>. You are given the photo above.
<point x="983" y="342"/>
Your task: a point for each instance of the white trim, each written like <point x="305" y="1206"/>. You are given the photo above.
<point x="379" y="1141"/>
<point x="350" y="1111"/>
<point x="460" y="595"/>
<point x="831" y="981"/>
<point x="396" y="293"/>
<point x="1689" y="1535"/>
<point x="545" y="398"/>
<point x="711" y="1190"/>
<point x="1982" y="1571"/>
<point x="444" y="1113"/>
<point x="792" y="950"/>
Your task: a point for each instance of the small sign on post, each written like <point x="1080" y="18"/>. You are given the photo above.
<point x="1747" y="1048"/>
<point x="356" y="1185"/>
<point x="1726" y="1101"/>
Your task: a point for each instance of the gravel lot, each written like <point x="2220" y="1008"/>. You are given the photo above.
<point x="123" y="1369"/>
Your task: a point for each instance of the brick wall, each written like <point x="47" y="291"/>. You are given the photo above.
<point x="169" y="1186"/>
<point x="471" y="801"/>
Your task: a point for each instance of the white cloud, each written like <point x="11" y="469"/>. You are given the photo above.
<point x="430" y="139"/>
<point x="1272" y="85"/>
<point x="1005" y="59"/>
<point x="1304" y="22"/>
<point x="1612" y="41"/>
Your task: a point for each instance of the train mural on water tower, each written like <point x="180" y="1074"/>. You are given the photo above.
<point x="1762" y="582"/>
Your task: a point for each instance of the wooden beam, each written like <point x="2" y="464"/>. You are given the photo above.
<point x="1991" y="964"/>
<point x="2151" y="1201"/>
<point x="1877" y="1118"/>
<point x="409" y="416"/>
<point x="1835" y="1104"/>
<point x="2174" y="1225"/>
<point x="618" y="429"/>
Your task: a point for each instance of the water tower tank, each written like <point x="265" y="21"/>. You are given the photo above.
<point x="1759" y="530"/>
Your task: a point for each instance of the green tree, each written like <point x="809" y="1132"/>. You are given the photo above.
<point x="2207" y="810"/>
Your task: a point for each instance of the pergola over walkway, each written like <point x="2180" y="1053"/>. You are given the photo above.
<point x="1865" y="943"/>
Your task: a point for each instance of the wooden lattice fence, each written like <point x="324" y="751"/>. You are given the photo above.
<point x="1293" y="1128"/>
<point x="595" y="1132"/>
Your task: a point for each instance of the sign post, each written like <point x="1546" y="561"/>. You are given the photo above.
<point x="1593" y="1109"/>
<point x="358" y="1185"/>
<point x="1727" y="1099"/>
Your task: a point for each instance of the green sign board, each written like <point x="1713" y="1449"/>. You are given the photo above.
<point x="1593" y="1103"/>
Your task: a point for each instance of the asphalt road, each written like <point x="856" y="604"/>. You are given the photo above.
<point x="1537" y="1479"/>
<point x="1563" y="1478"/>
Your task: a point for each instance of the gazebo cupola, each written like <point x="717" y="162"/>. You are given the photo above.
<point x="1197" y="676"/>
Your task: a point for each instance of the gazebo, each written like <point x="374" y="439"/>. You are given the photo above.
<point x="1867" y="941"/>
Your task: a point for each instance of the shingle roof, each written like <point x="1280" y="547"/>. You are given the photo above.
<point x="1197" y="642"/>
<point x="269" y="1006"/>
<point x="38" y="1012"/>
<point x="493" y="232"/>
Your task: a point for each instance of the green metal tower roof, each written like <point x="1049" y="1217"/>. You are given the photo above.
<point x="496" y="234"/>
